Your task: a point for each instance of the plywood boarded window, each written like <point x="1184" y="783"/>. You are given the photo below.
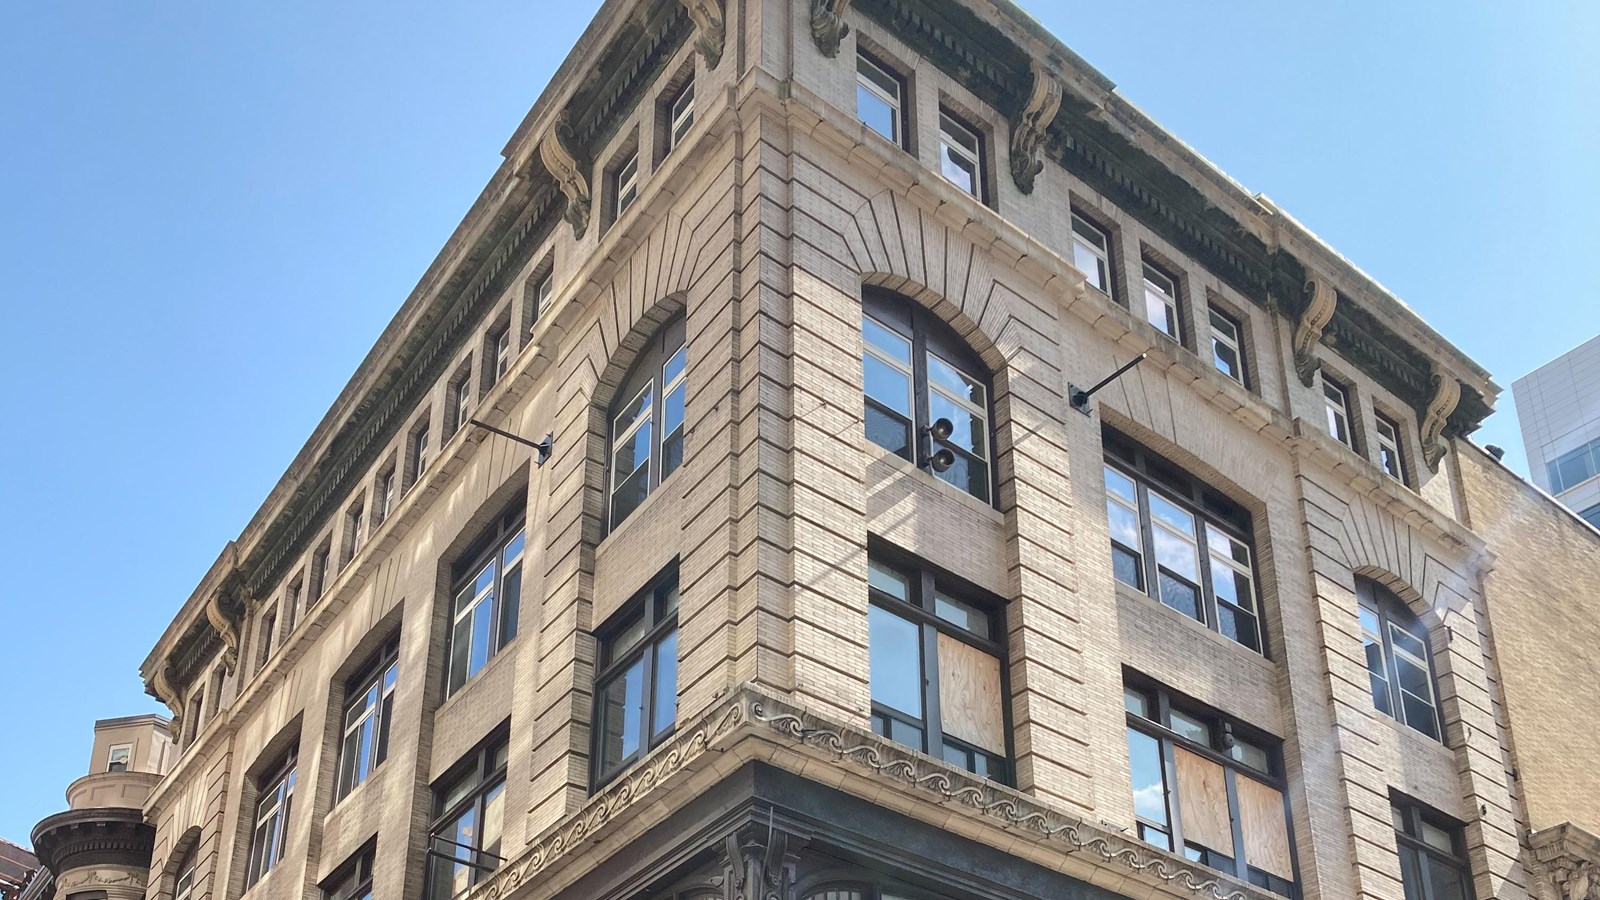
<point x="937" y="673"/>
<point x="1203" y="798"/>
<point x="1266" y="834"/>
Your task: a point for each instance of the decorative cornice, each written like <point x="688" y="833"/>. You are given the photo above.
<point x="1030" y="126"/>
<point x="569" y="176"/>
<point x="828" y="26"/>
<point x="114" y="836"/>
<point x="1567" y="859"/>
<point x="1446" y="394"/>
<point x="712" y="33"/>
<point x="1320" y="301"/>
<point x="226" y="607"/>
<point x="752" y="711"/>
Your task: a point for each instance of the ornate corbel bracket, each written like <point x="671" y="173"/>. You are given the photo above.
<point x="713" y="33"/>
<point x="759" y="863"/>
<point x="1446" y="394"/>
<point x="827" y="25"/>
<point x="1320" y="300"/>
<point x="569" y="175"/>
<point x="159" y="687"/>
<point x="1029" y="129"/>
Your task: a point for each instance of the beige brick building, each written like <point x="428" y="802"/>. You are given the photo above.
<point x="828" y="587"/>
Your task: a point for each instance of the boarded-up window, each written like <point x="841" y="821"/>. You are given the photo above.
<point x="969" y="695"/>
<point x="1203" y="798"/>
<point x="1266" y="834"/>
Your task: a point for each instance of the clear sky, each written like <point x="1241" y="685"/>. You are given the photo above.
<point x="208" y="212"/>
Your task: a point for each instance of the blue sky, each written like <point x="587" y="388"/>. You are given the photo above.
<point x="208" y="212"/>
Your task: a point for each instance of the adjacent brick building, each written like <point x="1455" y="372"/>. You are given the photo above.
<point x="828" y="580"/>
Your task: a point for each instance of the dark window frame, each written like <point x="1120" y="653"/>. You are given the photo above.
<point x="487" y="550"/>
<point x="1222" y="729"/>
<point x="1151" y="471"/>
<point x="648" y="372"/>
<point x="1238" y="324"/>
<point x="660" y="623"/>
<point x="1408" y="838"/>
<point x="928" y="334"/>
<point x="484" y="764"/>
<point x="374" y="675"/>
<point x="980" y="137"/>
<point x="1402" y="461"/>
<point x="902" y="103"/>
<point x="1179" y="301"/>
<point x="353" y="879"/>
<point x="1094" y="223"/>
<point x="1392" y="612"/>
<point x="925" y="582"/>
<point x="277" y="781"/>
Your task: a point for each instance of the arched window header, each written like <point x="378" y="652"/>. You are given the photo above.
<point x="927" y="394"/>
<point x="646" y="422"/>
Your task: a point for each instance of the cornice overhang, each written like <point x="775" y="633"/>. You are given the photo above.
<point x="751" y="723"/>
<point x="91" y="837"/>
<point x="990" y="46"/>
<point x="1567" y="859"/>
<point x="626" y="46"/>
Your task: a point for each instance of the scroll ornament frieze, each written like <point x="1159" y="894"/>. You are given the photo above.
<point x="1030" y="127"/>
<point x="1446" y="394"/>
<point x="568" y="174"/>
<point x="827" y="25"/>
<point x="1320" y="300"/>
<point x="708" y="22"/>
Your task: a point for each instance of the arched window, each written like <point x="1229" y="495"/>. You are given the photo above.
<point x="646" y="423"/>
<point x="1399" y="659"/>
<point x="183" y="888"/>
<point x="927" y="393"/>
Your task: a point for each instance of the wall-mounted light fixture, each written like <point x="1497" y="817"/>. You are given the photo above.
<point x="543" y="447"/>
<point x="1080" y="397"/>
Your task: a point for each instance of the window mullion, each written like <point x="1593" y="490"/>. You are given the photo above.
<point x="1241" y="865"/>
<point x="1169" y="766"/>
<point x="1208" y="595"/>
<point x="922" y="415"/>
<point x="1152" y="578"/>
<point x="1392" y="667"/>
<point x="932" y="714"/>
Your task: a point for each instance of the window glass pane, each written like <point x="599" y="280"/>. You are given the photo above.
<point x="1121" y="485"/>
<point x="888" y="580"/>
<point x="637" y="408"/>
<point x="494" y="811"/>
<point x="1436" y="837"/>
<point x="631" y="492"/>
<point x="1184" y="598"/>
<point x="482" y="623"/>
<point x="674" y="366"/>
<point x="1406" y="642"/>
<point x="632" y="453"/>
<point x="666" y="687"/>
<point x="1239" y="626"/>
<point x="1191" y="727"/>
<point x="894" y="645"/>
<point x="1446" y="881"/>
<point x="621" y="711"/>
<point x="955" y="382"/>
<point x="1093" y="267"/>
<point x="626" y="638"/>
<point x="962" y="615"/>
<point x="1125" y="566"/>
<point x="958" y="169"/>
<point x="887" y="385"/>
<point x="1251" y="755"/>
<point x="1171" y="514"/>
<point x="877" y="114"/>
<point x="1136" y="702"/>
<point x="969" y="474"/>
<point x="889" y="431"/>
<point x="1231" y="585"/>
<point x="1420" y="714"/>
<point x="1378" y="674"/>
<point x="892" y="344"/>
<point x="905" y="733"/>
<point x="1176" y="553"/>
<point x="1124" y="524"/>
<point x="1411" y="874"/>
<point x="1149" y="777"/>
<point x="969" y="429"/>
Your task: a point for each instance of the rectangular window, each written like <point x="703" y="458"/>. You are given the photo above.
<point x="680" y="116"/>
<point x="120" y="759"/>
<point x="421" y="454"/>
<point x="1574" y="467"/>
<point x="1433" y="857"/>
<point x="1390" y="457"/>
<point x="1227" y="341"/>
<point x="636" y="690"/>
<point x="540" y="300"/>
<point x="461" y="400"/>
<point x="1591" y="515"/>
<point x="353" y="881"/>
<point x="1091" y="253"/>
<point x="468" y="821"/>
<point x="384" y="501"/>
<point x="319" y="572"/>
<point x="937" y="672"/>
<point x="1181" y="542"/>
<point x="960" y="154"/>
<point x="880" y="100"/>
<point x="1208" y="787"/>
<point x="1337" y="400"/>
<point x="291" y="605"/>
<point x="487" y="597"/>
<point x="355" y="531"/>
<point x="1161" y="302"/>
<point x="271" y="829"/>
<point x="625" y="185"/>
<point x="368" y="708"/>
<point x="264" y="635"/>
<point x="500" y="348"/>
<point x="194" y="721"/>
